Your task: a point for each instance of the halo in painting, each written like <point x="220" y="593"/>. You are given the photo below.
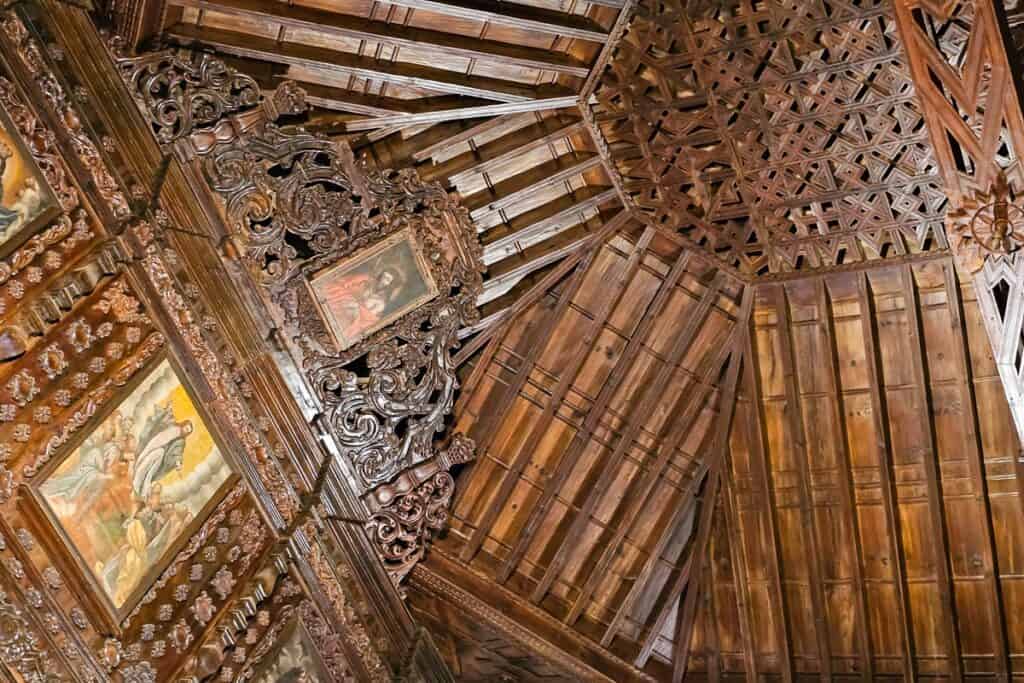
<point x="141" y="477"/>
<point x="373" y="288"/>
<point x="25" y="198"/>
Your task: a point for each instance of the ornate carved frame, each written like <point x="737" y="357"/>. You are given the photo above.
<point x="55" y="537"/>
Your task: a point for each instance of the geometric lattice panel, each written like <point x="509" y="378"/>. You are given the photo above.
<point x="781" y="135"/>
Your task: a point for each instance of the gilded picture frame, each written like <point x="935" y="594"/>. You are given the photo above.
<point x="55" y="536"/>
<point x="18" y="167"/>
<point x="372" y="289"/>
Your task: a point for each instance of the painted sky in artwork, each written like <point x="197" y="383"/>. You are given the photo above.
<point x="23" y="197"/>
<point x="140" y="478"/>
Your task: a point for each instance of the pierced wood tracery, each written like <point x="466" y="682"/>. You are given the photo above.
<point x="779" y="137"/>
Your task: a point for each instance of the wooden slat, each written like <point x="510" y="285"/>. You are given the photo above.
<point x="879" y="413"/>
<point x="738" y="556"/>
<point x="693" y="400"/>
<point x="460" y="113"/>
<point x="699" y="547"/>
<point x="293" y="16"/>
<point x="468" y="134"/>
<point x="759" y="462"/>
<point x="336" y="62"/>
<point x="652" y="393"/>
<point x="550" y="224"/>
<point x="569" y="372"/>
<point x="572" y="453"/>
<point x="513" y="191"/>
<point x="515" y="15"/>
<point x="526" y="141"/>
<point x="688" y="496"/>
<point x="688" y="609"/>
<point x="976" y="460"/>
<point x="793" y="412"/>
<point x="930" y="456"/>
<point x="538" y="290"/>
<point x="846" y="491"/>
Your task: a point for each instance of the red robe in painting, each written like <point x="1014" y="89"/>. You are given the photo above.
<point x="354" y="303"/>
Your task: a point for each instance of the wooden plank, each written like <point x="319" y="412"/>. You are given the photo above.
<point x="292" y="16"/>
<point x="460" y="113"/>
<point x="793" y="412"/>
<point x="497" y="286"/>
<point x="653" y="393"/>
<point x="511" y="192"/>
<point x="759" y="462"/>
<point x="514" y="15"/>
<point x="572" y="453"/>
<point x="879" y="415"/>
<point x="569" y="372"/>
<point x="525" y="141"/>
<point x="467" y="135"/>
<point x="738" y="555"/>
<point x="688" y="609"/>
<point x="510" y="244"/>
<point x="692" y="400"/>
<point x="931" y="468"/>
<point x="976" y="460"/>
<point x="846" y="491"/>
<point x="700" y="545"/>
<point x="538" y="290"/>
<point x="689" y="497"/>
<point x="336" y="62"/>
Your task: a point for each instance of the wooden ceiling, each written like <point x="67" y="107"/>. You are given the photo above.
<point x="736" y="413"/>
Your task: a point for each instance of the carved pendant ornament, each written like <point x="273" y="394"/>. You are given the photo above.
<point x="368" y="276"/>
<point x="986" y="225"/>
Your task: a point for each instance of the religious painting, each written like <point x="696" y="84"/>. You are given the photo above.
<point x="372" y="289"/>
<point x="25" y="198"/>
<point x="294" y="661"/>
<point x="127" y="494"/>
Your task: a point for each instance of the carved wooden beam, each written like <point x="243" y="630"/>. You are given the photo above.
<point x="972" y="108"/>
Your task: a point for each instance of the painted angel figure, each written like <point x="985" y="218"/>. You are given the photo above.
<point x="7" y="216"/>
<point x="160" y="451"/>
<point x="84" y="483"/>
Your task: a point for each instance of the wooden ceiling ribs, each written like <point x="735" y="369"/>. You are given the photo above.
<point x="358" y="28"/>
<point x="608" y="390"/>
<point x="570" y="371"/>
<point x="646" y="402"/>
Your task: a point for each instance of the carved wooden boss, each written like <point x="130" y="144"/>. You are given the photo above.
<point x="367" y="276"/>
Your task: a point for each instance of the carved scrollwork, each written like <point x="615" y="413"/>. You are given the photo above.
<point x="414" y="508"/>
<point x="296" y="204"/>
<point x="178" y="96"/>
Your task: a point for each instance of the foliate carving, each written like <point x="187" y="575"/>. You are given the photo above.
<point x="414" y="508"/>
<point x="296" y="204"/>
<point x="178" y="96"/>
<point x="783" y="144"/>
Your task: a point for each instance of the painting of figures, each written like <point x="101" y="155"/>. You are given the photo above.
<point x="139" y="478"/>
<point x="372" y="289"/>
<point x="295" y="660"/>
<point x="25" y="196"/>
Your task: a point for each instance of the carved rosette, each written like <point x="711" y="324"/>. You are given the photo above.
<point x="986" y="225"/>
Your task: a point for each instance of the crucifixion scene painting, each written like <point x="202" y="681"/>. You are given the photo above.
<point x="140" y="478"/>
